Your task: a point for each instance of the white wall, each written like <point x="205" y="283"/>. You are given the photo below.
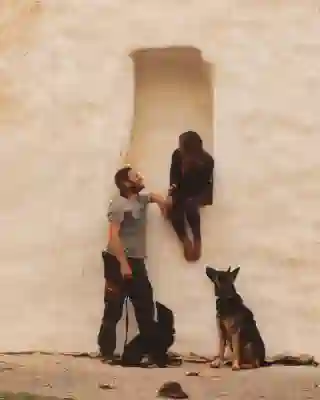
<point x="66" y="110"/>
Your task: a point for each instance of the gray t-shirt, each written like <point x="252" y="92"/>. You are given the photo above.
<point x="132" y="216"/>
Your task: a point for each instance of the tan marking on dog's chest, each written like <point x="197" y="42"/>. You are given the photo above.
<point x="230" y="325"/>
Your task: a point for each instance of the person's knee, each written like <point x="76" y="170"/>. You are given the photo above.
<point x="113" y="314"/>
<point x="176" y="216"/>
<point x="191" y="208"/>
<point x="112" y="308"/>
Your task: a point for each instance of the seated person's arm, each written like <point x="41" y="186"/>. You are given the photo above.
<point x="115" y="218"/>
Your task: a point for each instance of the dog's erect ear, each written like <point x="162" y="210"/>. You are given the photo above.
<point x="211" y="273"/>
<point x="234" y="273"/>
<point x="229" y="269"/>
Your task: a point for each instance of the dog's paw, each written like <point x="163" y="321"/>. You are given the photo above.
<point x="235" y="366"/>
<point x="217" y="363"/>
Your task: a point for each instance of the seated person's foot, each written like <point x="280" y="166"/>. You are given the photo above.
<point x="196" y="254"/>
<point x="188" y="249"/>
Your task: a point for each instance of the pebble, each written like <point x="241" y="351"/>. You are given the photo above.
<point x="192" y="373"/>
<point x="105" y="386"/>
<point x="5" y="367"/>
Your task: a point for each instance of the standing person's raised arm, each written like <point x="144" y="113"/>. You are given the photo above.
<point x="162" y="202"/>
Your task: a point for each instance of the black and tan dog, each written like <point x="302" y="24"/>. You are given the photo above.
<point x="236" y="325"/>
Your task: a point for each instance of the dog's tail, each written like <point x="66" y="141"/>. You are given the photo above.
<point x="291" y="361"/>
<point x="284" y="360"/>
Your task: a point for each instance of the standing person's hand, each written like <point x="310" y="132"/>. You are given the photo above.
<point x="166" y="207"/>
<point x="125" y="270"/>
<point x="169" y="202"/>
<point x="163" y="203"/>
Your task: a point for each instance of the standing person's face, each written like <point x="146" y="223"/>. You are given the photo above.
<point x="135" y="183"/>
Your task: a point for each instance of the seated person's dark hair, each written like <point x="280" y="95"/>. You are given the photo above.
<point x="191" y="142"/>
<point x="121" y="176"/>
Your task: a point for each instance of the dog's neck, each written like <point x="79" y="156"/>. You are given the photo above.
<point x="228" y="305"/>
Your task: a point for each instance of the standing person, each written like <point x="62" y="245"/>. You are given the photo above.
<point x="191" y="186"/>
<point x="124" y="261"/>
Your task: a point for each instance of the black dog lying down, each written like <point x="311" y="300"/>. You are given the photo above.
<point x="236" y="325"/>
<point x="136" y="349"/>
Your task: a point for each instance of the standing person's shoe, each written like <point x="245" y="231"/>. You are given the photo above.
<point x="197" y="247"/>
<point x="187" y="249"/>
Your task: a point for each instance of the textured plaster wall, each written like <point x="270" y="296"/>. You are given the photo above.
<point x="66" y="108"/>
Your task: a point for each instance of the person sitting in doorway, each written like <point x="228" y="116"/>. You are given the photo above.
<point x="191" y="187"/>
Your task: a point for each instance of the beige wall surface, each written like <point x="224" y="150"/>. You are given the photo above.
<point x="67" y="106"/>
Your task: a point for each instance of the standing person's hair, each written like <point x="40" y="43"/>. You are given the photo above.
<point x="191" y="143"/>
<point x="121" y="176"/>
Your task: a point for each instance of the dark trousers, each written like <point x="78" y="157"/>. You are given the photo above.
<point x="184" y="208"/>
<point x="140" y="292"/>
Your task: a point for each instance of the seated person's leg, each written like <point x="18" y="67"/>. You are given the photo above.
<point x="194" y="220"/>
<point x="176" y="216"/>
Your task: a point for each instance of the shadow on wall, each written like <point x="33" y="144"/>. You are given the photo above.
<point x="173" y="93"/>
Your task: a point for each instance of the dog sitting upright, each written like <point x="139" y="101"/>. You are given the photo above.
<point x="236" y="325"/>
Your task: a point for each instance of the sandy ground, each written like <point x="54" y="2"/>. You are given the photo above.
<point x="76" y="378"/>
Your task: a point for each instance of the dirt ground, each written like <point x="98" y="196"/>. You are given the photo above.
<point x="66" y="377"/>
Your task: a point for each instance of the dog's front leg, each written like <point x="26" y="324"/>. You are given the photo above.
<point x="235" y="339"/>
<point x="219" y="360"/>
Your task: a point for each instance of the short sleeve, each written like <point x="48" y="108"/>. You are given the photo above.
<point x="145" y="198"/>
<point x="115" y="212"/>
